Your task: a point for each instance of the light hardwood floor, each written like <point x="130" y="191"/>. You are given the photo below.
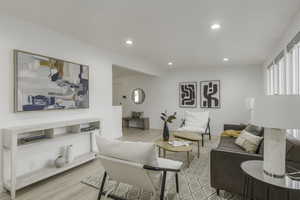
<point x="67" y="186"/>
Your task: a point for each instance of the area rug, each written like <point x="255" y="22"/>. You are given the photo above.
<point x="194" y="181"/>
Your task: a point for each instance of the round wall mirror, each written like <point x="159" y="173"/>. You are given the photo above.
<point x="138" y="96"/>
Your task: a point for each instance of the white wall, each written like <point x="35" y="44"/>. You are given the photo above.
<point x="237" y="83"/>
<point x="16" y="34"/>
<point x="291" y="30"/>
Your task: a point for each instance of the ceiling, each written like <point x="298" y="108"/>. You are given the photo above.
<point x="168" y="30"/>
<point x="119" y="72"/>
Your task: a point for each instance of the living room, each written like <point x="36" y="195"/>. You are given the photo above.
<point x="94" y="89"/>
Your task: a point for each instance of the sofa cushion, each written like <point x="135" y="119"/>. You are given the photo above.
<point x="248" y="141"/>
<point x="231" y="133"/>
<point x="293" y="149"/>
<point x="290" y="142"/>
<point x="227" y="143"/>
<point x="139" y="152"/>
<point x="255" y="130"/>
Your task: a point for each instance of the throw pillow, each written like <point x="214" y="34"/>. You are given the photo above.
<point x="292" y="149"/>
<point x="231" y="133"/>
<point x="248" y="141"/>
<point x="255" y="130"/>
<point x="139" y="152"/>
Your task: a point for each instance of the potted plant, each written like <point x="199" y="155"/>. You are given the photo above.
<point x="167" y="119"/>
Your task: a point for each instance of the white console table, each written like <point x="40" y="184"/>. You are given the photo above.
<point x="54" y="131"/>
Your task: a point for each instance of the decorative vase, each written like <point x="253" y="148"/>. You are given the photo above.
<point x="69" y="154"/>
<point x="166" y="134"/>
<point x="60" y="161"/>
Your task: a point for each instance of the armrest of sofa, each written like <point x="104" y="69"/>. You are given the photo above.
<point x="225" y="169"/>
<point x="237" y="127"/>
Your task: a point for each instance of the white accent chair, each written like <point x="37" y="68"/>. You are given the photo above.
<point x="136" y="164"/>
<point x="198" y="122"/>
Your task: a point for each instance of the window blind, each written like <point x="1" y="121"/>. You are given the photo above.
<point x="293" y="42"/>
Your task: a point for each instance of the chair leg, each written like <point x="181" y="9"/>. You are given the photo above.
<point x="218" y="192"/>
<point x="163" y="185"/>
<point x="102" y="186"/>
<point x="177" y="184"/>
<point x="198" y="143"/>
<point x="209" y="136"/>
<point x="202" y="140"/>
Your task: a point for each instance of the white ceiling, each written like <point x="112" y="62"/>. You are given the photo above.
<point x="118" y="72"/>
<point x="168" y="30"/>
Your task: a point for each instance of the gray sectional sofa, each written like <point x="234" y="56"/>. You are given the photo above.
<point x="226" y="159"/>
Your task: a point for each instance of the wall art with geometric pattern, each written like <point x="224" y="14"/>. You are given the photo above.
<point x="210" y="94"/>
<point x="188" y="94"/>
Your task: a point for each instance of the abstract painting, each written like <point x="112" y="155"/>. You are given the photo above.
<point x="45" y="83"/>
<point x="188" y="94"/>
<point x="210" y="94"/>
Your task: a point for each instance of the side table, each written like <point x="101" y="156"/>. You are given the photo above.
<point x="253" y="170"/>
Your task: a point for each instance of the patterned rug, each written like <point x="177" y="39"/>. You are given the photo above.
<point x="194" y="181"/>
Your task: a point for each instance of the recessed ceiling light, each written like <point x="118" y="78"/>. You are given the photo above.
<point x="129" y="42"/>
<point x="225" y="59"/>
<point x="215" y="26"/>
<point x="170" y="63"/>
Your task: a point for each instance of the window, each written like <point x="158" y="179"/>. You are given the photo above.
<point x="283" y="75"/>
<point x="270" y="80"/>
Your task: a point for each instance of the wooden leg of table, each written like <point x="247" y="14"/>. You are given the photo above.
<point x="164" y="153"/>
<point x="198" y="143"/>
<point x="202" y="140"/>
<point x="188" y="158"/>
<point x="158" y="151"/>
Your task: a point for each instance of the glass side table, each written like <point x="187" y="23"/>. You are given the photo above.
<point x="253" y="170"/>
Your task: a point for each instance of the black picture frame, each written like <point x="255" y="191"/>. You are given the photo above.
<point x="190" y="91"/>
<point x="215" y="96"/>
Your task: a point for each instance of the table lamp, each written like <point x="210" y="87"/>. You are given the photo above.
<point x="276" y="114"/>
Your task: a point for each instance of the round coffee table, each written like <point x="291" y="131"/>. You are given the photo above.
<point x="190" y="136"/>
<point x="165" y="146"/>
<point x="253" y="170"/>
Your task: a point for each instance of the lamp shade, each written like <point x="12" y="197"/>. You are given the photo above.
<point x="280" y="112"/>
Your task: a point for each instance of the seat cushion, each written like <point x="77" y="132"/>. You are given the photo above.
<point x="170" y="164"/>
<point x="227" y="143"/>
<point x="139" y="152"/>
<point x="192" y="129"/>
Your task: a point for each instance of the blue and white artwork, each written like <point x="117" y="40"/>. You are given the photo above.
<point x="44" y="83"/>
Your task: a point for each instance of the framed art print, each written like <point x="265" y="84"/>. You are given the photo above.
<point x="210" y="94"/>
<point x="45" y="83"/>
<point x="188" y="94"/>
